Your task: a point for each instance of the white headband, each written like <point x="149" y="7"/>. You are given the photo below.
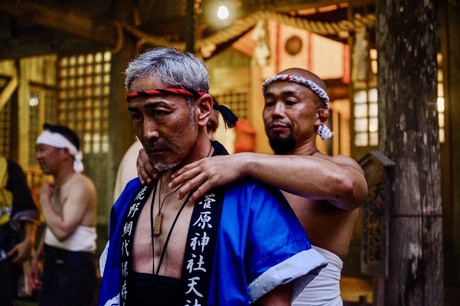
<point x="320" y="92"/>
<point x="58" y="141"/>
<point x="323" y="131"/>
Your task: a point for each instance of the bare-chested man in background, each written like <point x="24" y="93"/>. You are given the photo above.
<point x="70" y="210"/>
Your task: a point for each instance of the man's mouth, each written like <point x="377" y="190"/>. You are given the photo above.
<point x="277" y="127"/>
<point x="156" y="150"/>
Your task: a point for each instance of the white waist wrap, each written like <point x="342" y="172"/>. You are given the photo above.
<point x="324" y="289"/>
<point x="83" y="239"/>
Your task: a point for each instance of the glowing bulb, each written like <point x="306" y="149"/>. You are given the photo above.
<point x="441" y="107"/>
<point x="222" y="12"/>
<point x="33" y="101"/>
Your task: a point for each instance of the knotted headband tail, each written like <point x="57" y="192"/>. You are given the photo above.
<point x="229" y="117"/>
<point x="323" y="131"/>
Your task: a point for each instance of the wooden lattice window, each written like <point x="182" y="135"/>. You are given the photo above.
<point x="366" y="117"/>
<point x="236" y="101"/>
<point x="5" y="127"/>
<point x="83" y="98"/>
<point x="365" y="99"/>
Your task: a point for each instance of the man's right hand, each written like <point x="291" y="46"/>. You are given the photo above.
<point x="197" y="177"/>
<point x="201" y="176"/>
<point x="145" y="169"/>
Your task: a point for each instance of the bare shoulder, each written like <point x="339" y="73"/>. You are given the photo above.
<point x="84" y="181"/>
<point x="83" y="185"/>
<point x="343" y="160"/>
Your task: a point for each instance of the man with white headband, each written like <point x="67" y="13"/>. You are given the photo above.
<point x="70" y="210"/>
<point x="325" y="192"/>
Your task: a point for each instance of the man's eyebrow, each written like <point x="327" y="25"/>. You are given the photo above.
<point x="290" y="92"/>
<point x="283" y="93"/>
<point x="149" y="105"/>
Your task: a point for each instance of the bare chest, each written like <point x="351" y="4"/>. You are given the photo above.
<point x="325" y="225"/>
<point x="159" y="243"/>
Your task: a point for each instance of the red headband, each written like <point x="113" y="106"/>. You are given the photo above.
<point x="229" y="117"/>
<point x="163" y="91"/>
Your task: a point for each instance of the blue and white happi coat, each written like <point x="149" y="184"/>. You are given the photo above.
<point x="260" y="245"/>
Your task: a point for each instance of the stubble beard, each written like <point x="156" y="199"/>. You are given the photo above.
<point x="162" y="167"/>
<point x="282" y="146"/>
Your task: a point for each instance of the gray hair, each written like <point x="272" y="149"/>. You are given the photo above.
<point x="174" y="68"/>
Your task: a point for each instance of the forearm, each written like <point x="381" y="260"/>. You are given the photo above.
<point x="311" y="177"/>
<point x="30" y="230"/>
<point x="56" y="222"/>
<point x="39" y="250"/>
<point x="340" y="183"/>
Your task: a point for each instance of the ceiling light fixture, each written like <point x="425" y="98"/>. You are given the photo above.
<point x="223" y="12"/>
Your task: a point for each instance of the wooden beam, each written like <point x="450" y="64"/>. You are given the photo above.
<point x="286" y="5"/>
<point x="45" y="43"/>
<point x="8" y="91"/>
<point x="63" y="19"/>
<point x="23" y="125"/>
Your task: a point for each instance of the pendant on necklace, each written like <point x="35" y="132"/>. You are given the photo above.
<point x="158" y="221"/>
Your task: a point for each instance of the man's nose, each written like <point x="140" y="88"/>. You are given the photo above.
<point x="278" y="110"/>
<point x="150" y="129"/>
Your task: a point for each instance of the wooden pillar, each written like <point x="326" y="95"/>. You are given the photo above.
<point x="120" y="129"/>
<point x="23" y="115"/>
<point x="408" y="135"/>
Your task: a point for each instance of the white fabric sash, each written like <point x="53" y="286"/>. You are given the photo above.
<point x="83" y="239"/>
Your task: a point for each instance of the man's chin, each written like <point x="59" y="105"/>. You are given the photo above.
<point x="282" y="146"/>
<point x="161" y="167"/>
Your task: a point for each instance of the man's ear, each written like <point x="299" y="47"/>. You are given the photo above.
<point x="65" y="153"/>
<point x="204" y="108"/>
<point x="322" y="116"/>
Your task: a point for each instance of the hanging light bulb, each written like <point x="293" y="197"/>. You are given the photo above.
<point x="222" y="12"/>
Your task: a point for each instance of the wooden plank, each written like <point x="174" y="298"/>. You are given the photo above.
<point x="378" y="170"/>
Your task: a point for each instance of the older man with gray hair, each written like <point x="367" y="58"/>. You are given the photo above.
<point x="235" y="245"/>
